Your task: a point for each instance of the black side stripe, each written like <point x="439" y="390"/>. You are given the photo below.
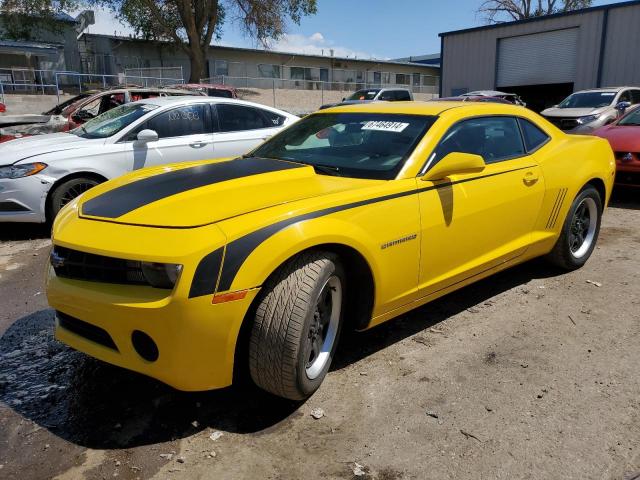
<point x="124" y="199"/>
<point x="556" y="208"/>
<point x="238" y="250"/>
<point x="205" y="279"/>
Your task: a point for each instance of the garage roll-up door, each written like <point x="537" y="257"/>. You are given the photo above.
<point x="539" y="58"/>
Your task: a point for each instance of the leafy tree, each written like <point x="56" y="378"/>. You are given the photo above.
<point x="191" y="24"/>
<point x="25" y="19"/>
<point x="495" y="11"/>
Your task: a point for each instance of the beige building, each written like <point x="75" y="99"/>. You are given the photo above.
<point x="244" y="67"/>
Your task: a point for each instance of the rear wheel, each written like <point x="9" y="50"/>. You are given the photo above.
<point x="297" y="326"/>
<point x="67" y="191"/>
<point x="580" y="231"/>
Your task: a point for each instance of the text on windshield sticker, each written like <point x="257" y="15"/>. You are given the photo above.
<point x="385" y="126"/>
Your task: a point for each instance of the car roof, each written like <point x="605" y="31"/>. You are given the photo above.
<point x="186" y="99"/>
<point x="603" y="89"/>
<point x="424" y="108"/>
<point x="204" y="85"/>
<point x="486" y="93"/>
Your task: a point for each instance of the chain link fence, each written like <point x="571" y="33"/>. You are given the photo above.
<point x="52" y="82"/>
<point x="303" y="96"/>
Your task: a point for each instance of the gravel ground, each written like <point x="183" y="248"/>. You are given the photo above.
<point x="530" y="374"/>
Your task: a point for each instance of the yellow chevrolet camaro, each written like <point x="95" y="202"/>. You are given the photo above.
<point x="191" y="273"/>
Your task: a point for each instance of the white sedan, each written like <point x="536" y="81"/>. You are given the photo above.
<point x="40" y="174"/>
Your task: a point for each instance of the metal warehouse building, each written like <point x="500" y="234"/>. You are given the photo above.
<point x="544" y="59"/>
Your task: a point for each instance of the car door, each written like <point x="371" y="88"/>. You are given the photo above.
<point x="241" y="128"/>
<point x="474" y="221"/>
<point x="184" y="134"/>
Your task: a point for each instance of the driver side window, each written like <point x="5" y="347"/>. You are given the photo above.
<point x="493" y="138"/>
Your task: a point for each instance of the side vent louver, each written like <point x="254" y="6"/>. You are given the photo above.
<point x="556" y="208"/>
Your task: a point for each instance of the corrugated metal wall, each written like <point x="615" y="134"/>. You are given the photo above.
<point x="469" y="58"/>
<point x="621" y="61"/>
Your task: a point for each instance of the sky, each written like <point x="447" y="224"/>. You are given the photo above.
<point x="382" y="29"/>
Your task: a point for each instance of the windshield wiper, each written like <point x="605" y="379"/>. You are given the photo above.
<point x="325" y="169"/>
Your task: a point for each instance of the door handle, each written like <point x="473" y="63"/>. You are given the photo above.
<point x="530" y="178"/>
<point x="198" y="144"/>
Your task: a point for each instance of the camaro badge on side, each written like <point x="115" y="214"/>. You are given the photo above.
<point x="393" y="243"/>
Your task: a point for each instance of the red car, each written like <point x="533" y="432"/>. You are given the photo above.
<point x="624" y="137"/>
<point x="75" y="111"/>
<point x="2" y="108"/>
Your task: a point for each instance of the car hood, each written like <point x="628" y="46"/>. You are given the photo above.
<point x="623" y="138"/>
<point x="572" y="112"/>
<point x="29" y="147"/>
<point x="29" y="118"/>
<point x="201" y="193"/>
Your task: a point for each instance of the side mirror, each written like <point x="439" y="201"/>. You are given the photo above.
<point x="453" y="163"/>
<point x="146" y="136"/>
<point x="622" y="106"/>
<point x="343" y="99"/>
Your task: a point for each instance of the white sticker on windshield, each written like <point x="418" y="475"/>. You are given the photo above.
<point x="385" y="126"/>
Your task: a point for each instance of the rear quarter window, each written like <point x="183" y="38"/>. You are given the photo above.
<point x="534" y="137"/>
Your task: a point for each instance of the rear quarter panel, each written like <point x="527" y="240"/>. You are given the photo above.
<point x="569" y="163"/>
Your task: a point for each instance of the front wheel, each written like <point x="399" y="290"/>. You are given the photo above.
<point x="67" y="191"/>
<point x="297" y="325"/>
<point x="580" y="231"/>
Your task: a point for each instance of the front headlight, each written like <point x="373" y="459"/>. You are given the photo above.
<point x="22" y="170"/>
<point x="588" y="119"/>
<point x="161" y="275"/>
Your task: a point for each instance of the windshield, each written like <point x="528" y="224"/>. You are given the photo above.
<point x="364" y="94"/>
<point x="361" y="145"/>
<point x="633" y="118"/>
<point x="57" y="110"/>
<point x="112" y="121"/>
<point x="588" y="100"/>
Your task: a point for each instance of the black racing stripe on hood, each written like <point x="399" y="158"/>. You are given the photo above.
<point x="124" y="199"/>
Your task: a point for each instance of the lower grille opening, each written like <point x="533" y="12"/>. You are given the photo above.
<point x="627" y="178"/>
<point x="86" y="330"/>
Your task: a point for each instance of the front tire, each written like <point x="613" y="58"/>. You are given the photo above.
<point x="580" y="231"/>
<point x="66" y="192"/>
<point x="297" y="325"/>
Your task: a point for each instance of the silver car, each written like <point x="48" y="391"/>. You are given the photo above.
<point x="584" y="111"/>
<point x="40" y="174"/>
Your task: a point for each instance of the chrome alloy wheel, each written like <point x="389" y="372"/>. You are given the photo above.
<point x="324" y="327"/>
<point x="583" y="227"/>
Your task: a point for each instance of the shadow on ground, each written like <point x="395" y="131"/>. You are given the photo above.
<point x="625" y="197"/>
<point x="96" y="405"/>
<point x="24" y="231"/>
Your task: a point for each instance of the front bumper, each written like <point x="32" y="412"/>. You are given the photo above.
<point x="195" y="339"/>
<point x="23" y="199"/>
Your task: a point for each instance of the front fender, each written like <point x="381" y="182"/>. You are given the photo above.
<point x="286" y="243"/>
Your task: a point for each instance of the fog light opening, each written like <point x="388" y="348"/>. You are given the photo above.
<point x="145" y="346"/>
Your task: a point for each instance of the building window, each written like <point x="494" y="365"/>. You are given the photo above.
<point x="416" y="79"/>
<point x="296" y="73"/>
<point x="268" y="71"/>
<point x="402" y="79"/>
<point x="377" y="78"/>
<point x="386" y="77"/>
<point x="324" y="74"/>
<point x="221" y="67"/>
